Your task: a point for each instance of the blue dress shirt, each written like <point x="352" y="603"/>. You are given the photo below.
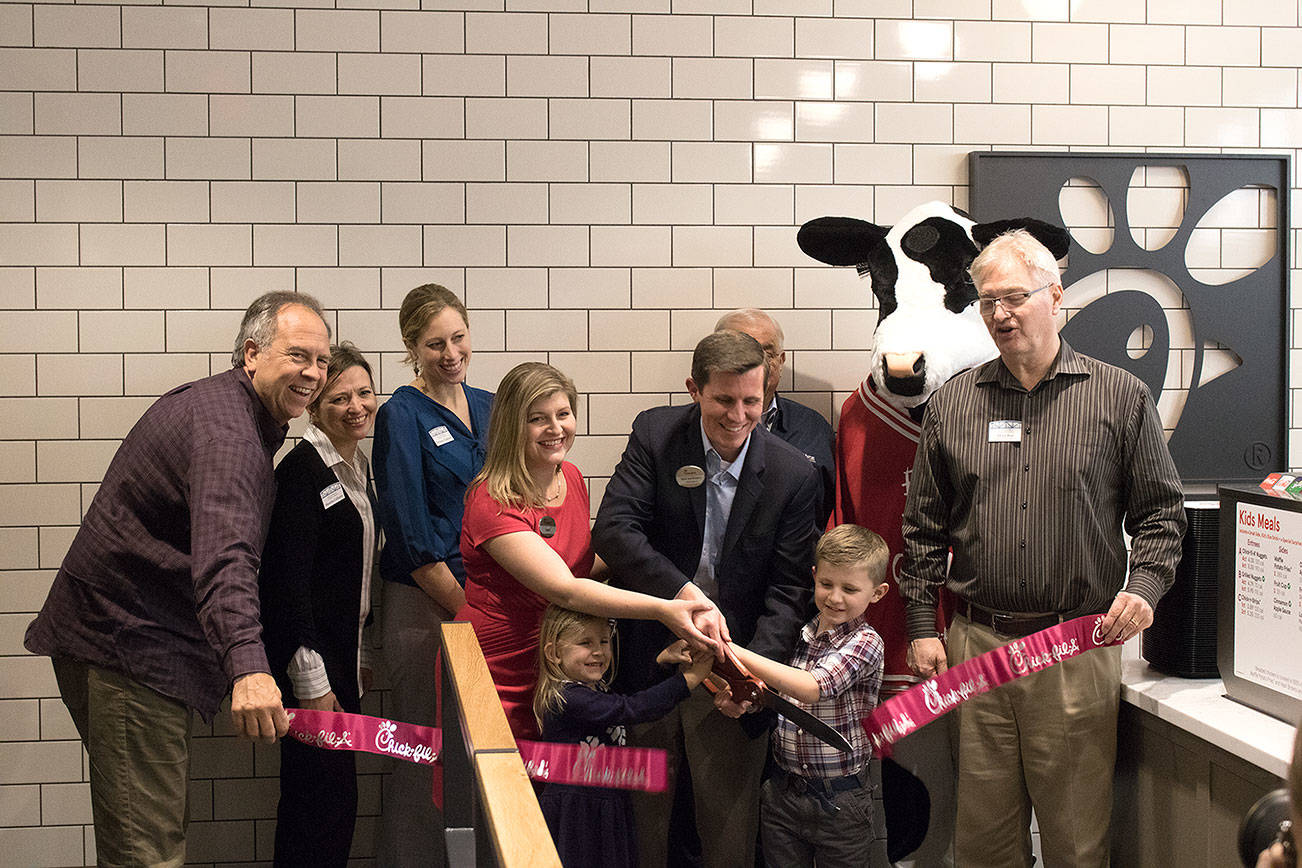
<point x="720" y="490"/>
<point x="424" y="458"/>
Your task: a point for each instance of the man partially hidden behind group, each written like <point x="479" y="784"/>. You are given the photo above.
<point x="795" y="423"/>
<point x="1028" y="468"/>
<point x="154" y="612"/>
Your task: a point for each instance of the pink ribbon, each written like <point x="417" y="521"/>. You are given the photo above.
<point x="621" y="768"/>
<point x="918" y="706"/>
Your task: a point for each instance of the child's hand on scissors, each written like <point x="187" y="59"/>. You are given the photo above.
<point x="698" y="669"/>
<point x="674" y="654"/>
<point x="723" y="699"/>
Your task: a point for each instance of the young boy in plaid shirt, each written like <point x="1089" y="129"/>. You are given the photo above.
<point x="821" y="804"/>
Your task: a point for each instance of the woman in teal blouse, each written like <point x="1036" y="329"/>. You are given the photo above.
<point x="429" y="443"/>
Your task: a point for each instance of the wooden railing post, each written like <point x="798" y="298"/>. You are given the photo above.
<point x="459" y="808"/>
<point x="489" y="804"/>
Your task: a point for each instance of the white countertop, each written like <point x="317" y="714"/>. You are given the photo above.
<point x="1200" y="707"/>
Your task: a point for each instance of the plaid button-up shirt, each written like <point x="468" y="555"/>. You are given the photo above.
<point x="846" y="661"/>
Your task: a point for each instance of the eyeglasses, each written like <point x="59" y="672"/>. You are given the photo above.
<point x="1009" y="300"/>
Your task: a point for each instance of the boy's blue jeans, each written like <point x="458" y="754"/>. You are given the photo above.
<point x="845" y="828"/>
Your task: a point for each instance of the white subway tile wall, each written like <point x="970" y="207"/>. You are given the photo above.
<point x="599" y="180"/>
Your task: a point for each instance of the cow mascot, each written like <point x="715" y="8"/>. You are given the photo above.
<point x="928" y="330"/>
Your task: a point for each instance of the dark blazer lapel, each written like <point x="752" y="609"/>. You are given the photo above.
<point x="750" y="487"/>
<point x="693" y="452"/>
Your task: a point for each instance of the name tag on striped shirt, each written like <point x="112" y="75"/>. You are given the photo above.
<point x="332" y="494"/>
<point x="1005" y="431"/>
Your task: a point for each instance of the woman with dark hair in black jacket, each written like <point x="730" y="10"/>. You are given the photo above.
<point x="322" y="547"/>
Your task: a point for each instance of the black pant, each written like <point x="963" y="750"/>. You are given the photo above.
<point x="318" y="805"/>
<point x="800" y="828"/>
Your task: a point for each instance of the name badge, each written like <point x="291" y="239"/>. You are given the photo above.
<point x="1005" y="431"/>
<point x="440" y="435"/>
<point x="689" y="476"/>
<point x="332" y="494"/>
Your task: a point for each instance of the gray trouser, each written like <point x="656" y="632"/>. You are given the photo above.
<point x="411" y="828"/>
<point x="927" y="754"/>
<point x="139" y="746"/>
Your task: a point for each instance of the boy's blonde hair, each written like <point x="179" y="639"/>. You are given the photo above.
<point x="557" y="623"/>
<point x="849" y="545"/>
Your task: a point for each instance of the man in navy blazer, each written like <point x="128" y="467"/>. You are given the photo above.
<point x="706" y="505"/>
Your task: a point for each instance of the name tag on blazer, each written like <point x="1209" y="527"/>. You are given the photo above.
<point x="332" y="494"/>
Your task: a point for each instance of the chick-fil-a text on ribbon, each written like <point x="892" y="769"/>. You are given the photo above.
<point x="623" y="768"/>
<point x="918" y="706"/>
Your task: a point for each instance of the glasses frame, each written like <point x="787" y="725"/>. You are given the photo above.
<point x="1002" y="301"/>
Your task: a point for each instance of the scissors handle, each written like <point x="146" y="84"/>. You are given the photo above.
<point x="745" y="687"/>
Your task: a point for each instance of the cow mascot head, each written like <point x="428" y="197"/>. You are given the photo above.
<point x="928" y="330"/>
<point x="928" y="326"/>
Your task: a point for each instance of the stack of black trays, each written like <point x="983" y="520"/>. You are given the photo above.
<point x="1182" y="640"/>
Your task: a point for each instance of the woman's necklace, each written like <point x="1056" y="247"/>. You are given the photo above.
<point x="547" y="524"/>
<point x="557" y="483"/>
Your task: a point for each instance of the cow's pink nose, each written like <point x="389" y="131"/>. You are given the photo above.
<point x="901" y="364"/>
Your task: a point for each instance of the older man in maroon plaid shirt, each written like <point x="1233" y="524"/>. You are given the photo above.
<point x="154" y="612"/>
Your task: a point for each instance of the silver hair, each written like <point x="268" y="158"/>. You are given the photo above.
<point x="261" y="320"/>
<point x="1020" y="245"/>
<point x="749" y="315"/>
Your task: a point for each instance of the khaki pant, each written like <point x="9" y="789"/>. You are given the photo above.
<point x="1047" y="741"/>
<point x="726" y="766"/>
<point x="139" y="746"/>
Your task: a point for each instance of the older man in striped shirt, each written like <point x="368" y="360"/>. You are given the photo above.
<point x="1028" y="468"/>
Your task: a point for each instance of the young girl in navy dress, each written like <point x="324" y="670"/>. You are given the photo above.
<point x="594" y="825"/>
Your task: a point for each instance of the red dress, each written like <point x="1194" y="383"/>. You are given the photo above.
<point x="505" y="614"/>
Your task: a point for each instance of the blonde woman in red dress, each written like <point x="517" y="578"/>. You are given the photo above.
<point x="525" y="539"/>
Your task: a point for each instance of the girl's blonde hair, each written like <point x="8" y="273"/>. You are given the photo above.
<point x="557" y="623"/>
<point x="505" y="472"/>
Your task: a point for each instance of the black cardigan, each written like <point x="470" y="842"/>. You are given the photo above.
<point x="311" y="577"/>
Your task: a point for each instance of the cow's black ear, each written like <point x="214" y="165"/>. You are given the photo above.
<point x="840" y="240"/>
<point x="1057" y="239"/>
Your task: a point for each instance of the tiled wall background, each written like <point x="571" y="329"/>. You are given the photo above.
<point x="598" y="177"/>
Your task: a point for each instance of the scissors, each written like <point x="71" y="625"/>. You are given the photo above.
<point x="746" y="687"/>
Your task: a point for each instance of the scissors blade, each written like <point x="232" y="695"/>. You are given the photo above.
<point x="745" y="686"/>
<point x="806" y="721"/>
